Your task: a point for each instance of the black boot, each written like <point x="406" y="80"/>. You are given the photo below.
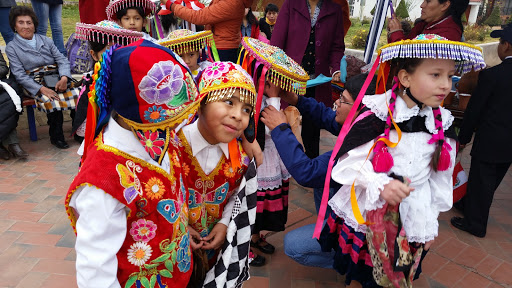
<point x="55" y="121"/>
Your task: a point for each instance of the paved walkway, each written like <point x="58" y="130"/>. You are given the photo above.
<point x="36" y="241"/>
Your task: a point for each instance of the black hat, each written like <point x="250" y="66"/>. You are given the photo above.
<point x="505" y="33"/>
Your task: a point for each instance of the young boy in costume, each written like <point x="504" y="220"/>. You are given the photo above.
<point x="214" y="161"/>
<point x="100" y="37"/>
<point x="128" y="203"/>
<point x="132" y="14"/>
<point x="189" y="45"/>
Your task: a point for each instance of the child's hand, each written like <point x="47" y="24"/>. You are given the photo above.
<point x="272" y="90"/>
<point x="395" y="191"/>
<point x="216" y="237"/>
<point x="427" y="245"/>
<point x="196" y="241"/>
<point x="272" y="118"/>
<point x="253" y="150"/>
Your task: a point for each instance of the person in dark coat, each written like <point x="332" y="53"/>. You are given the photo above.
<point x="5" y="29"/>
<point x="269" y="19"/>
<point x="9" y="116"/>
<point x="488" y="112"/>
<point x="311" y="33"/>
<point x="50" y="9"/>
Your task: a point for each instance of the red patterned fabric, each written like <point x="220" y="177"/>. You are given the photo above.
<point x="209" y="194"/>
<point x="156" y="246"/>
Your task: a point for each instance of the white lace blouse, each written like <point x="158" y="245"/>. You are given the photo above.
<point x="412" y="157"/>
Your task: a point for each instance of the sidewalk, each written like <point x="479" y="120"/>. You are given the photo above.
<point x="36" y="240"/>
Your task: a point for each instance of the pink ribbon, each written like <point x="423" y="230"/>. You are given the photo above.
<point x="344" y="130"/>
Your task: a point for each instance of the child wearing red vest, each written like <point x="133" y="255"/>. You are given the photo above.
<point x="128" y="203"/>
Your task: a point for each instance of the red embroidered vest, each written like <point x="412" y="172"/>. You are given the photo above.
<point x="208" y="194"/>
<point x="156" y="251"/>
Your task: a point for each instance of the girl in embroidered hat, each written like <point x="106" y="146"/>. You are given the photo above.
<point x="402" y="179"/>
<point x="100" y="37"/>
<point x="132" y="14"/>
<point x="214" y="158"/>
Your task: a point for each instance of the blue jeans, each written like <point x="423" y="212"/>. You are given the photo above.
<point x="5" y="29"/>
<point x="54" y="13"/>
<point x="303" y="249"/>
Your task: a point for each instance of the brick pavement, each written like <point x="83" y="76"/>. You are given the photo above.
<point x="36" y="241"/>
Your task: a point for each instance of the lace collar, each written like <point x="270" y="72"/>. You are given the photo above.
<point x="377" y="104"/>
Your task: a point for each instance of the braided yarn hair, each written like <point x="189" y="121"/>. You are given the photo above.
<point x="382" y="160"/>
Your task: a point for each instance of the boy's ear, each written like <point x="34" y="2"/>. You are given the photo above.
<point x="93" y="55"/>
<point x="404" y="78"/>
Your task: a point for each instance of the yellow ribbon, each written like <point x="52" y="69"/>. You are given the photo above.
<point x="353" y="200"/>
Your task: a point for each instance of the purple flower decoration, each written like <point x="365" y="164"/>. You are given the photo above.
<point x="162" y="83"/>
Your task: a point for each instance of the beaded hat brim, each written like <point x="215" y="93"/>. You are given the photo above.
<point x="185" y="41"/>
<point x="96" y="32"/>
<point x="283" y="71"/>
<point x="467" y="56"/>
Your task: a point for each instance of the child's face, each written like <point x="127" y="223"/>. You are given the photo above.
<point x="191" y="60"/>
<point x="133" y="20"/>
<point x="430" y="82"/>
<point x="343" y="106"/>
<point x="223" y="121"/>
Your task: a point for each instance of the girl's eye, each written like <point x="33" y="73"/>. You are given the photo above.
<point x="247" y="110"/>
<point x="229" y="102"/>
<point x="435" y="75"/>
<point x="450" y="76"/>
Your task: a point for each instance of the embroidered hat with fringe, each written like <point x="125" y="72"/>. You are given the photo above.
<point x="114" y="6"/>
<point x="282" y="70"/>
<point x="106" y="31"/>
<point x="220" y="81"/>
<point x="186" y="41"/>
<point x="148" y="88"/>
<point x="276" y="66"/>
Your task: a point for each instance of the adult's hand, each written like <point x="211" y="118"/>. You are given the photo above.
<point x="49" y="93"/>
<point x="394" y="24"/>
<point x="271" y="117"/>
<point x="289" y="97"/>
<point x="62" y="85"/>
<point x="395" y="191"/>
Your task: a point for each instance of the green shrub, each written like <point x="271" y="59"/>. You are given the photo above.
<point x="373" y="10"/>
<point x="365" y="21"/>
<point x="401" y="10"/>
<point x="494" y="19"/>
<point x="359" y="39"/>
<point x="475" y="32"/>
<point x="509" y="21"/>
